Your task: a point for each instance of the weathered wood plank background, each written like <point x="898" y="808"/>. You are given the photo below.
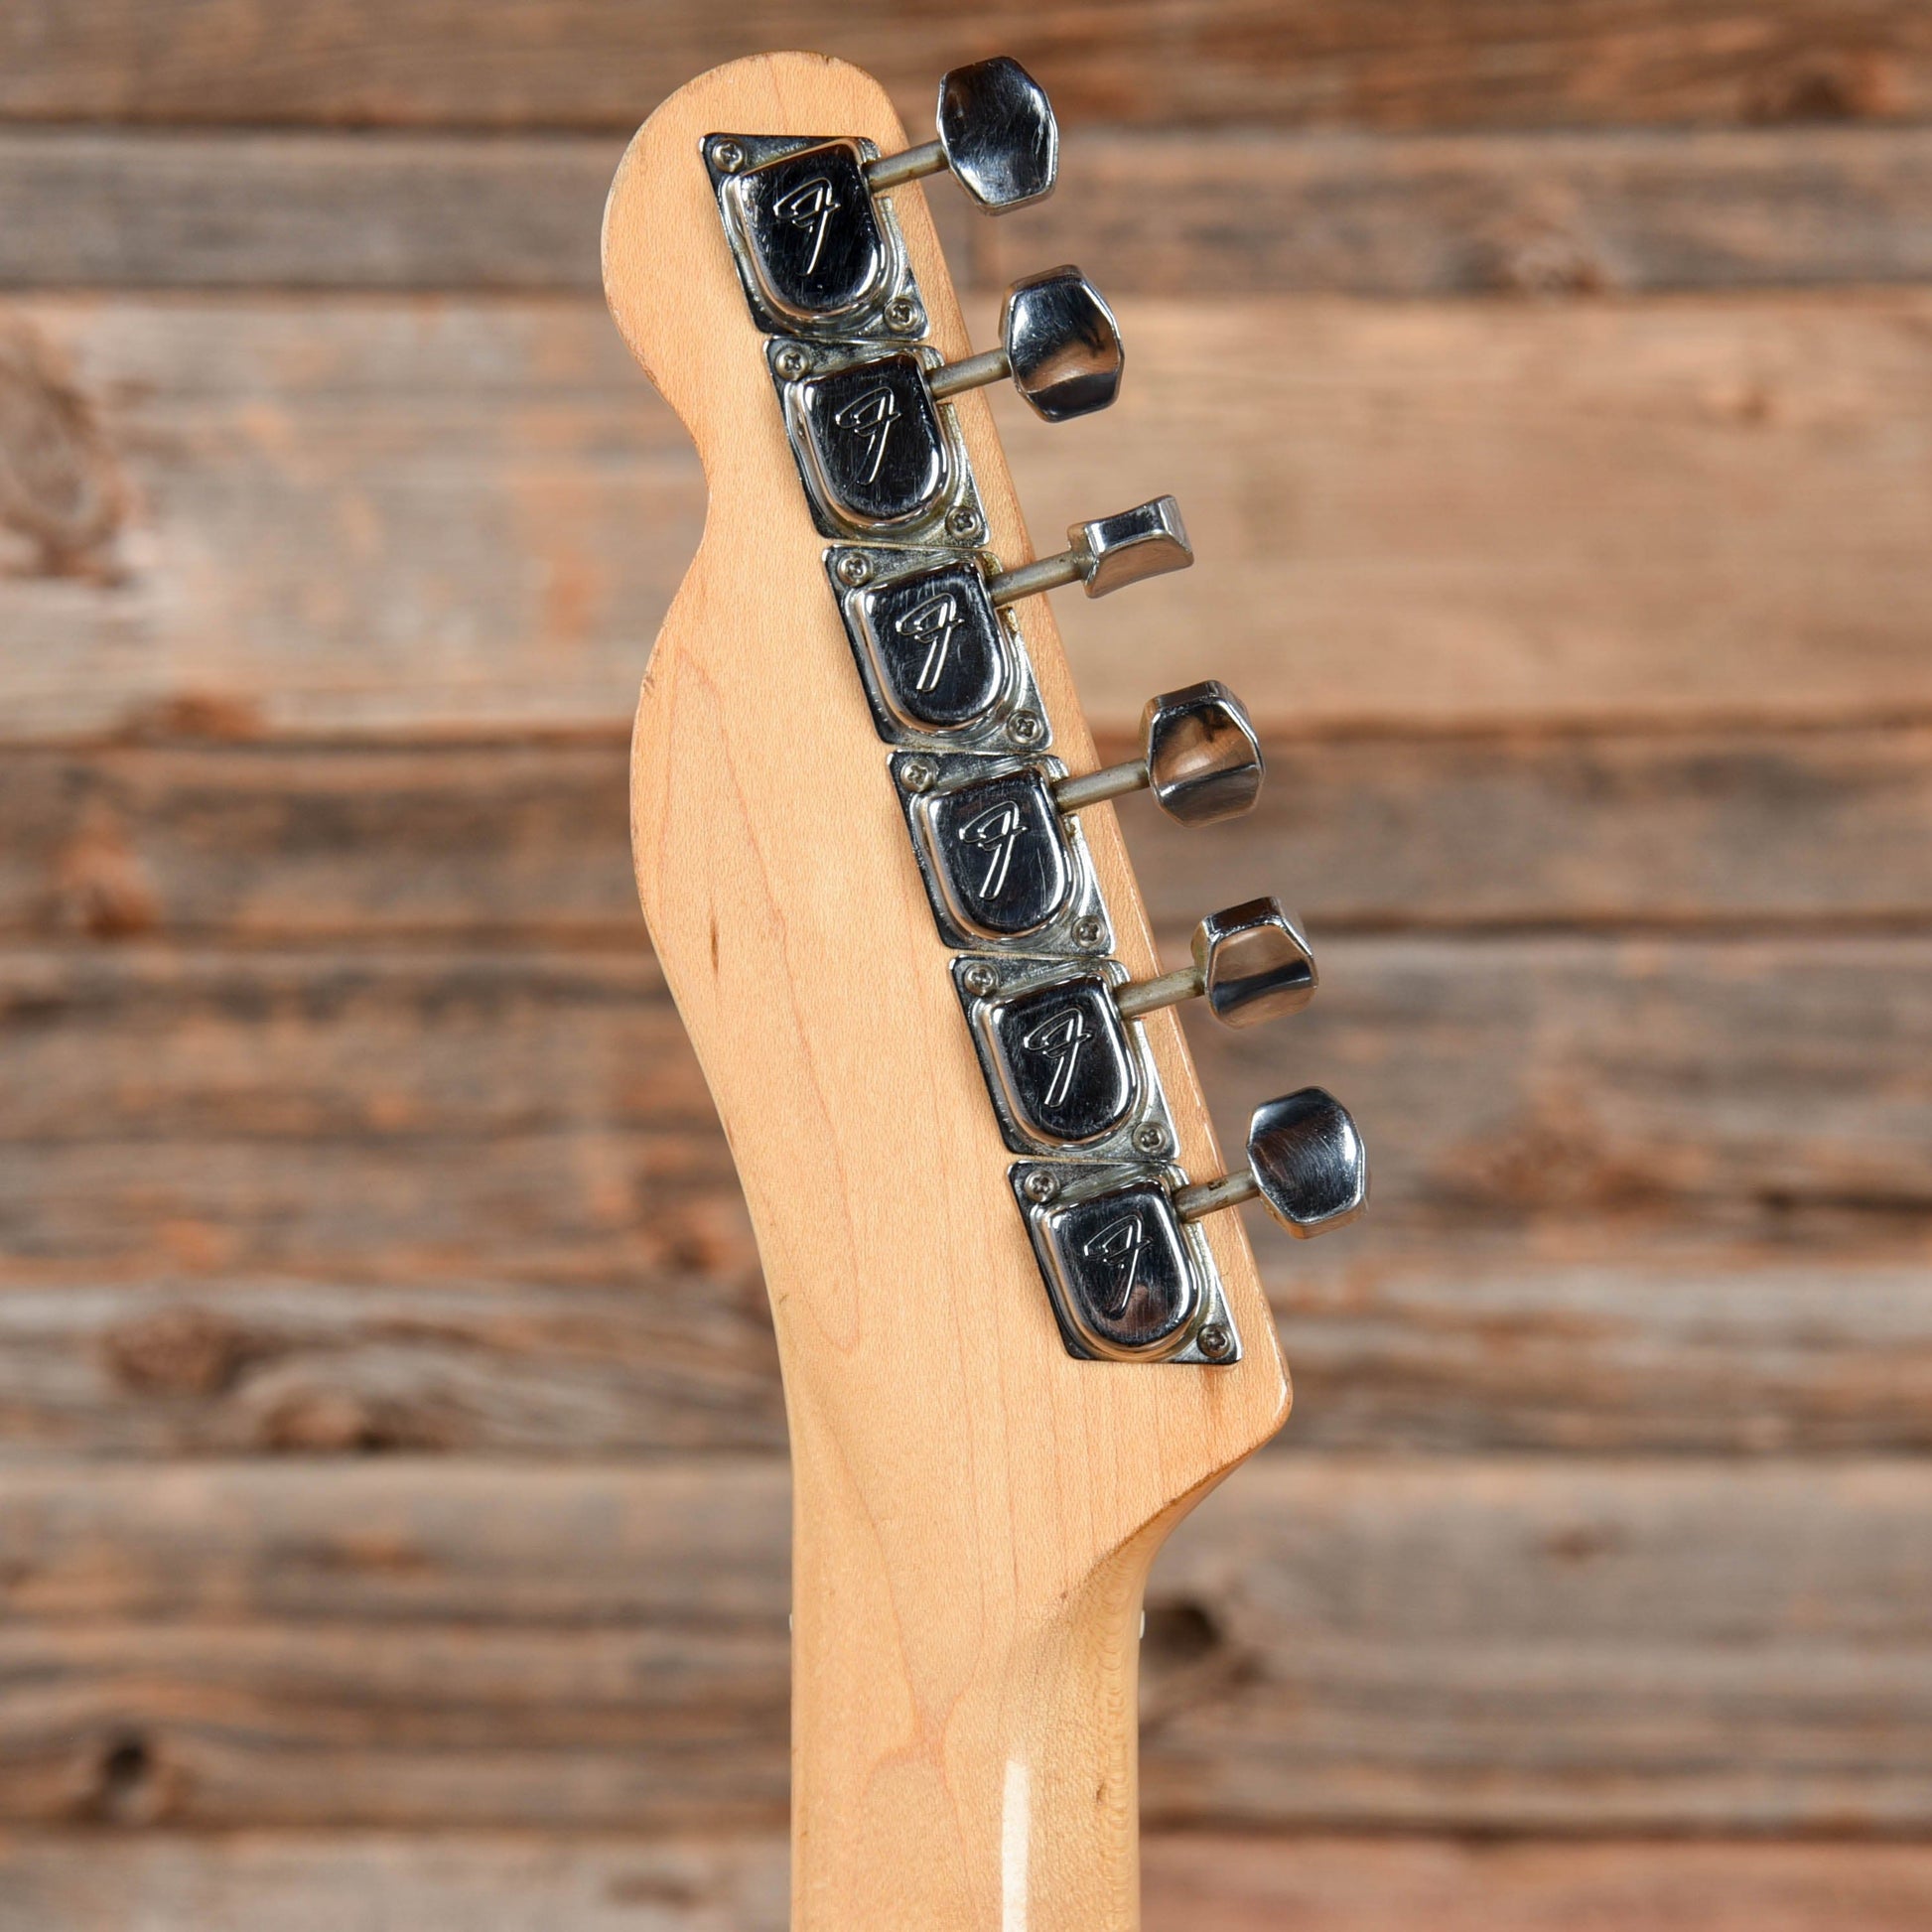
<point x="391" y="1479"/>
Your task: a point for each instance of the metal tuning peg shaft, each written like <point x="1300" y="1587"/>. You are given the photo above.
<point x="1058" y="342"/>
<point x="1105" y="555"/>
<point x="1065" y="1070"/>
<point x="1200" y="758"/>
<point x="1252" y="963"/>
<point x="996" y="132"/>
<point x="1306" y="1163"/>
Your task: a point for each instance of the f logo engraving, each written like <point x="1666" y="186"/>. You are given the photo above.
<point x="994" y="832"/>
<point x="869" y="415"/>
<point x="1117" y="1251"/>
<point x="935" y="620"/>
<point x="1059" y="1036"/>
<point x="809" y="205"/>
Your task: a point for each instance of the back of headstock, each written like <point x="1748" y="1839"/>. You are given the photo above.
<point x="894" y="907"/>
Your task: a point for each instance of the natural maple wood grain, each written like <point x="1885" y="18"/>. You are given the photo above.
<point x="1628" y="1646"/>
<point x="518" y="1881"/>
<point x="522" y="841"/>
<point x="379" y="513"/>
<point x="1376" y="63"/>
<point x="1151" y="211"/>
<point x="975" y="1510"/>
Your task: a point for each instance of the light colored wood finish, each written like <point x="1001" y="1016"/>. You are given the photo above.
<point x="407" y="516"/>
<point x="975" y="1510"/>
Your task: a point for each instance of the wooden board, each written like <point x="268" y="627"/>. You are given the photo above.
<point x="1628" y="1646"/>
<point x="1662" y="1192"/>
<point x="392" y="514"/>
<point x="576" y="63"/>
<point x="503" y="1113"/>
<point x="1253" y="211"/>
<point x="262" y="1882"/>
<point x="1541" y="214"/>
<point x="518" y="841"/>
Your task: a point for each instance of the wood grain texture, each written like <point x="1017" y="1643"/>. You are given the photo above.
<point x="579" y="62"/>
<point x="1191" y="211"/>
<point x="262" y="1882"/>
<point x="1544" y="214"/>
<point x="1631" y="1645"/>
<point x="975" y="1509"/>
<point x="1480" y="1346"/>
<point x="539" y="1118"/>
<point x="522" y="841"/>
<point x="1664" y="1192"/>
<point x="390" y="514"/>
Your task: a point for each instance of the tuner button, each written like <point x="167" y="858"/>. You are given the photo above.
<point x="1251" y="962"/>
<point x="1147" y="541"/>
<point x="1063" y="343"/>
<point x="998" y="134"/>
<point x="1102" y="556"/>
<point x="1203" y="758"/>
<point x="1254" y="963"/>
<point x="1308" y="1162"/>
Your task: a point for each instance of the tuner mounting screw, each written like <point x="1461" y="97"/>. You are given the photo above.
<point x="1041" y="1186"/>
<point x="963" y="521"/>
<point x="791" y="362"/>
<point x="918" y="774"/>
<point x="980" y="979"/>
<point x="1089" y="932"/>
<point x="903" y="313"/>
<point x="1215" y="1342"/>
<point x="855" y="567"/>
<point x="726" y="156"/>
<point x="1150" y="1138"/>
<point x="1025" y="727"/>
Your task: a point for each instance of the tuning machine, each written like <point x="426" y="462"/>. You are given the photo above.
<point x="935" y="651"/>
<point x="816" y="247"/>
<point x="1127" y="1270"/>
<point x="996" y="840"/>
<point x="866" y="425"/>
<point x="1064" y="1065"/>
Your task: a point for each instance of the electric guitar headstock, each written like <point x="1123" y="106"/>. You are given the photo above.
<point x="880" y="865"/>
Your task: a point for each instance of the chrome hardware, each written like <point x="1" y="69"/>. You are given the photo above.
<point x="813" y="249"/>
<point x="867" y="436"/>
<point x="1252" y="963"/>
<point x="1058" y="342"/>
<point x="1000" y="862"/>
<point x="1064" y="1064"/>
<point x="1065" y="1072"/>
<point x="1060" y="1066"/>
<point x="997" y="133"/>
<point x="1201" y="760"/>
<point x="1129" y="1280"/>
<point x="935" y="653"/>
<point x="1306" y="1163"/>
<point x="1105" y="555"/>
<point x="936" y="657"/>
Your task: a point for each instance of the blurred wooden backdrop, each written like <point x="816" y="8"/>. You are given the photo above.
<point x="393" y="1498"/>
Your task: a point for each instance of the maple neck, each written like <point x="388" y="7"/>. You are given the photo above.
<point x="975" y="1506"/>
